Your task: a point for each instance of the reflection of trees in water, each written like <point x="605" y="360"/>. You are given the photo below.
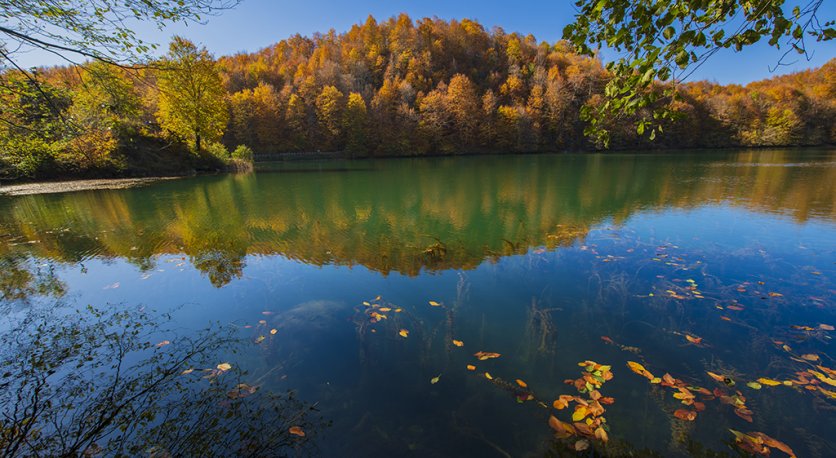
<point x="409" y="215"/>
<point x="20" y="279"/>
<point x="95" y="383"/>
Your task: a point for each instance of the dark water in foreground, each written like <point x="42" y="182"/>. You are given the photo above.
<point x="299" y="296"/>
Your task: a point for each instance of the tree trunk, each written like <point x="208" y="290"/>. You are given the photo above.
<point x="197" y="142"/>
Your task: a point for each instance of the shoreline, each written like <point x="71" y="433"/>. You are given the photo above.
<point x="54" y="187"/>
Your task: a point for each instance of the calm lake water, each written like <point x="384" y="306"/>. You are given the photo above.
<point x="349" y="298"/>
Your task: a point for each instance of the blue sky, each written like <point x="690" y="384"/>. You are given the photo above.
<point x="255" y="24"/>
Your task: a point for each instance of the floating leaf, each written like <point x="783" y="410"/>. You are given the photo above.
<point x="754" y="385"/>
<point x="639" y="369"/>
<point x="810" y="357"/>
<point x="223" y="367"/>
<point x="403" y="333"/>
<point x="435" y="304"/>
<point x="262" y="322"/>
<point x="826" y="327"/>
<point x="471" y="367"/>
<point x="771" y="294"/>
<point x="581" y="445"/>
<point x="562" y="429"/>
<point x="259" y="339"/>
<point x="163" y="343"/>
<point x="693" y="340"/>
<point x="241" y="391"/>
<point x="297" y="431"/>
<point x="483" y="355"/>
<point x="601" y="434"/>
<point x="273" y="331"/>
<point x="488" y="376"/>
<point x="458" y="343"/>
<point x="685" y="414"/>
<point x="521" y="383"/>
<point x="435" y="379"/>
<point x="187" y="372"/>
<point x="580" y="413"/>
<point x="768" y="381"/>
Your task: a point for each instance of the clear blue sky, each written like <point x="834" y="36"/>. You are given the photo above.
<point x="255" y="24"/>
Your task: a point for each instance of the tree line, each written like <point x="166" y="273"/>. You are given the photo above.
<point x="397" y="87"/>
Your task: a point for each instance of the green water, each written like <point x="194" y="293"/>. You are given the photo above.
<point x="533" y="257"/>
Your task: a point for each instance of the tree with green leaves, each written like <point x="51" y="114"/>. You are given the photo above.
<point x="101" y="30"/>
<point x="665" y="41"/>
<point x="192" y="97"/>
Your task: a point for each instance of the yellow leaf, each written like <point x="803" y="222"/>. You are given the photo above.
<point x="385" y="309"/>
<point x="435" y="379"/>
<point x="810" y="357"/>
<point x="404" y="333"/>
<point x="458" y="343"/>
<point x="259" y="339"/>
<point x="435" y="304"/>
<point x="754" y="385"/>
<point x="488" y="376"/>
<point x="768" y="381"/>
<point x="483" y="355"/>
<point x="274" y="331"/>
<point x="580" y="413"/>
<point x="187" y="371"/>
<point x="223" y="367"/>
<point x="471" y="367"/>
<point x="824" y="378"/>
<point x="521" y="383"/>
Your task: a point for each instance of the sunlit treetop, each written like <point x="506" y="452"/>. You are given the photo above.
<point x="667" y="40"/>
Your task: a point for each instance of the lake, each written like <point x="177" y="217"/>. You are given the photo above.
<point x="430" y="307"/>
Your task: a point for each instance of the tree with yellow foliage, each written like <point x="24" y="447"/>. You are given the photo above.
<point x="192" y="97"/>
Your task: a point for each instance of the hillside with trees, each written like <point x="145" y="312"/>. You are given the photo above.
<point x="401" y="87"/>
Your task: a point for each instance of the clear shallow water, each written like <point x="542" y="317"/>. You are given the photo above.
<point x="533" y="257"/>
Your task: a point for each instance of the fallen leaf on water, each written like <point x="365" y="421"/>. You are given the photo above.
<point x="435" y="304"/>
<point x="274" y="331"/>
<point x="223" y="367"/>
<point x="163" y="343"/>
<point x="458" y="343"/>
<point x="768" y="381"/>
<point x="693" y="340"/>
<point x="580" y="413"/>
<point x="403" y="333"/>
<point x="607" y="340"/>
<point x="297" y="431"/>
<point x="262" y="321"/>
<point x="385" y="309"/>
<point x="187" y="372"/>
<point x="488" y="376"/>
<point x="435" y="379"/>
<point x="639" y="369"/>
<point x="771" y="294"/>
<point x="483" y="355"/>
<point x="826" y="327"/>
<point x="259" y="339"/>
<point x="581" y="445"/>
<point x="471" y="367"/>
<point x="266" y="313"/>
<point x="685" y="414"/>
<point x="810" y="357"/>
<point x="754" y="385"/>
<point x="521" y="383"/>
<point x="562" y="429"/>
<point x="366" y="303"/>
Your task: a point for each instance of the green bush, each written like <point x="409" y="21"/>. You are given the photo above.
<point x="218" y="150"/>
<point x="243" y="152"/>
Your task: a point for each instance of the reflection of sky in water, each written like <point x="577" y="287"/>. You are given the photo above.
<point x="596" y="281"/>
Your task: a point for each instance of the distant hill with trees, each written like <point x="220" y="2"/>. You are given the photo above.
<point x="393" y="88"/>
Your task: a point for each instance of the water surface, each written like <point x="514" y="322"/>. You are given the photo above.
<point x="718" y="262"/>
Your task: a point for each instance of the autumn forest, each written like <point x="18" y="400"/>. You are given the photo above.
<point x="399" y="87"/>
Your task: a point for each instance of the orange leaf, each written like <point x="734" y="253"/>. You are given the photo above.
<point x="521" y="383"/>
<point x="297" y="431"/>
<point x="458" y="343"/>
<point x="483" y="355"/>
<point x="563" y="430"/>
<point x="471" y="367"/>
<point x="685" y="414"/>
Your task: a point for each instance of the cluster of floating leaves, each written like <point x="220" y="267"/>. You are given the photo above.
<point x="588" y="420"/>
